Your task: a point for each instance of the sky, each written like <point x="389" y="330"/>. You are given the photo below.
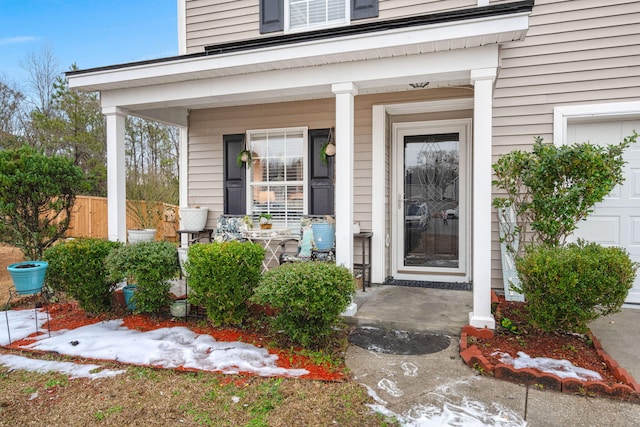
<point x="90" y="33"/>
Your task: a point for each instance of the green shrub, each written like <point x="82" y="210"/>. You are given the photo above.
<point x="552" y="188"/>
<point x="148" y="265"/>
<point x="77" y="268"/>
<point x="567" y="287"/>
<point x="37" y="194"/>
<point x="223" y="276"/>
<point x="309" y="297"/>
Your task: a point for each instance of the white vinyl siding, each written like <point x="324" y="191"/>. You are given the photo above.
<point x="576" y="52"/>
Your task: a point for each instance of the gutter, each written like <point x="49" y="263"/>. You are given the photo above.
<point x="525" y="6"/>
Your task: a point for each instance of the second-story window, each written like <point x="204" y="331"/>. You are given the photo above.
<point x="305" y="14"/>
<point x="301" y="15"/>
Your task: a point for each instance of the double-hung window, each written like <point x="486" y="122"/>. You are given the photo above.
<point x="277" y="182"/>
<point x="300" y="15"/>
<point x="307" y="14"/>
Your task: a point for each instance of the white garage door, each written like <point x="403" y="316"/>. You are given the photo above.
<point x="616" y="220"/>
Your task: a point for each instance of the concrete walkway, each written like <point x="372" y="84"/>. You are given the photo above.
<point x="439" y="389"/>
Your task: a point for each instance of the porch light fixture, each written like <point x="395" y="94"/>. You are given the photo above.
<point x="419" y="85"/>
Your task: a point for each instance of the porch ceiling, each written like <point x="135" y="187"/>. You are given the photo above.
<point x="165" y="89"/>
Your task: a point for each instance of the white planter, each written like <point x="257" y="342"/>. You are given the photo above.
<point x="180" y="308"/>
<point x="193" y="219"/>
<point x="146" y="235"/>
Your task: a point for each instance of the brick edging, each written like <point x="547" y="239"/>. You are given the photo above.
<point x="474" y="358"/>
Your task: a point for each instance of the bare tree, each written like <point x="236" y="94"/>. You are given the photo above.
<point x="152" y="161"/>
<point x="43" y="70"/>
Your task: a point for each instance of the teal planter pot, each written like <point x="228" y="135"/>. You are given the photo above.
<point x="28" y="276"/>
<point x="324" y="236"/>
<point x="128" y="294"/>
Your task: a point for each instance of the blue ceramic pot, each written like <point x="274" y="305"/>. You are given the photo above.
<point x="28" y="276"/>
<point x="128" y="294"/>
<point x="324" y="236"/>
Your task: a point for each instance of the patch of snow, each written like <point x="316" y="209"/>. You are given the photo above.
<point x="562" y="368"/>
<point x="390" y="387"/>
<point x="110" y="340"/>
<point x="409" y="369"/>
<point x="22" y="323"/>
<point x="165" y="347"/>
<point x="453" y="409"/>
<point x="374" y="395"/>
<point x="468" y="413"/>
<point x="74" y="370"/>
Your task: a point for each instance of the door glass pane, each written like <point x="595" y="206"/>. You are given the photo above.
<point x="431" y="211"/>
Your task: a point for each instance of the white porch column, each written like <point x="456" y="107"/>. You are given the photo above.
<point x="183" y="159"/>
<point x="116" y="174"/>
<point x="183" y="189"/>
<point x="482" y="79"/>
<point x="344" y="134"/>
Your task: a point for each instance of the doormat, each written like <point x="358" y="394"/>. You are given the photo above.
<point x="461" y="286"/>
<point x="389" y="341"/>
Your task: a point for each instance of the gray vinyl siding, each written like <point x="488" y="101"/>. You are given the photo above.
<point x="575" y="52"/>
<point x="220" y="21"/>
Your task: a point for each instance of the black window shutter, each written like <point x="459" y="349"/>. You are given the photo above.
<point x="362" y="9"/>
<point x="271" y="16"/>
<point x="321" y="186"/>
<point x="234" y="176"/>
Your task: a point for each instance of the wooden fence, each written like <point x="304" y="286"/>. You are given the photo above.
<point x="89" y="219"/>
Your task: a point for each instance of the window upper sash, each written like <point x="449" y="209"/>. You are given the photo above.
<point x="272" y="13"/>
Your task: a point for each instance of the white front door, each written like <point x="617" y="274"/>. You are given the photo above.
<point x="616" y="220"/>
<point x="431" y="211"/>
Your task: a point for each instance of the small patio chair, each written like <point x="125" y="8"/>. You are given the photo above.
<point x="316" y="241"/>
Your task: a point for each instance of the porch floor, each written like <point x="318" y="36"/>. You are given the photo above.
<point x="413" y="309"/>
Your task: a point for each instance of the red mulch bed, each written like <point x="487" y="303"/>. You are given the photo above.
<point x="70" y="316"/>
<point x="477" y="348"/>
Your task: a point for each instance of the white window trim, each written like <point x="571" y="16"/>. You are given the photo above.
<point x="288" y="29"/>
<point x="305" y="165"/>
<point x="570" y="113"/>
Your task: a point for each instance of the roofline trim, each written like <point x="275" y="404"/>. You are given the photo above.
<point x="373" y="26"/>
<point x="369" y="27"/>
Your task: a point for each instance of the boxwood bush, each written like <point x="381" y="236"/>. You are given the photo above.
<point x="77" y="268"/>
<point x="148" y="265"/>
<point x="222" y="277"/>
<point x="566" y="287"/>
<point x="308" y="297"/>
